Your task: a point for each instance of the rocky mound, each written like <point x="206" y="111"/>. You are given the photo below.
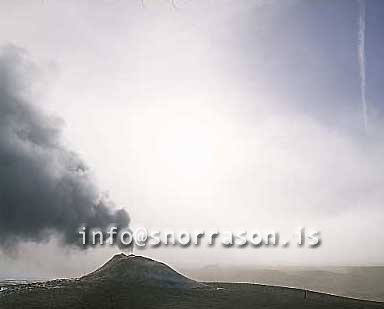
<point x="138" y="270"/>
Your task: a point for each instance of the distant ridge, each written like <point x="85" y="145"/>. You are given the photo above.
<point x="139" y="270"/>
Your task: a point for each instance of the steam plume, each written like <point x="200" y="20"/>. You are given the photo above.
<point x="45" y="188"/>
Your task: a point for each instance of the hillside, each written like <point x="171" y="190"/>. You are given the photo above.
<point x="138" y="282"/>
<point x="362" y="282"/>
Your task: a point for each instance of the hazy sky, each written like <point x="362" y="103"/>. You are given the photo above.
<point x="215" y="114"/>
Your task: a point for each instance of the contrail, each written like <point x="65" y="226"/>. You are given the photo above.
<point x="361" y="60"/>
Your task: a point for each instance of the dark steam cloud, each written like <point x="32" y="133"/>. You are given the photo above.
<point x="44" y="187"/>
